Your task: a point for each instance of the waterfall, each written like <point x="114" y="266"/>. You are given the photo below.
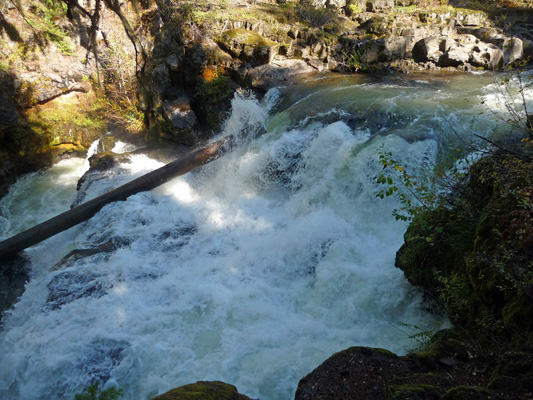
<point x="251" y="270"/>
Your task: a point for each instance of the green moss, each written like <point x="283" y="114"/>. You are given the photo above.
<point x="466" y="393"/>
<point x="476" y="255"/>
<point x="92" y="393"/>
<point x="202" y="391"/>
<point x="247" y="37"/>
<point x="413" y="391"/>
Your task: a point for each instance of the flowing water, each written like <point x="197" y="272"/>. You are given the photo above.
<point x="251" y="270"/>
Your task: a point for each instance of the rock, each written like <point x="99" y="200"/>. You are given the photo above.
<point x="349" y="372"/>
<point x="378" y="5"/>
<point x="14" y="274"/>
<point x="458" y="51"/>
<point x="454" y="56"/>
<point x="203" y="391"/>
<point x="472" y="18"/>
<point x="487" y="55"/>
<point x="160" y="79"/>
<point x="317" y="64"/>
<point x="180" y="113"/>
<point x="248" y="46"/>
<point x="9" y="117"/>
<point x="279" y="72"/>
<point x="480" y="271"/>
<point x="174" y="61"/>
<point x="336" y="3"/>
<point x="107" y="160"/>
<point x="383" y="50"/>
<point x="428" y="49"/>
<point x="513" y="49"/>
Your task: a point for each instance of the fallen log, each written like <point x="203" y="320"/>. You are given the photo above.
<point x="86" y="210"/>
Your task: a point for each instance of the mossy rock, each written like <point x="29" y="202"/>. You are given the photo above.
<point x="249" y="46"/>
<point x="203" y="391"/>
<point x="436" y="244"/>
<point x="475" y="256"/>
<point x="413" y="392"/>
<point x="467" y="393"/>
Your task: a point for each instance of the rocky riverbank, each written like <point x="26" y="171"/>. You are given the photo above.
<point x="198" y="54"/>
<point x="478" y="258"/>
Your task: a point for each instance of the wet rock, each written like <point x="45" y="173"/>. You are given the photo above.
<point x="79" y="254"/>
<point x="101" y="357"/>
<point x="179" y="113"/>
<point x="107" y="143"/>
<point x="69" y="286"/>
<point x="203" y="391"/>
<point x="107" y="160"/>
<point x="14" y="273"/>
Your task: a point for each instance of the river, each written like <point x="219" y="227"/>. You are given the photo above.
<point x="251" y="270"/>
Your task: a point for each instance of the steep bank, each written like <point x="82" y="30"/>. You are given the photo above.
<point x="474" y="256"/>
<point x="55" y="91"/>
<point x="196" y="55"/>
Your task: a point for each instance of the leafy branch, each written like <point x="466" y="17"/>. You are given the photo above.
<point x="93" y="393"/>
<point x="416" y="195"/>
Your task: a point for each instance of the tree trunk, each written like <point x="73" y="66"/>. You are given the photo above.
<point x="86" y="210"/>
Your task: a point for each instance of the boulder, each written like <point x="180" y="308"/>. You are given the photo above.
<point x="279" y="72"/>
<point x="454" y="56"/>
<point x="458" y="51"/>
<point x="179" y="113"/>
<point x="378" y="5"/>
<point x="472" y="18"/>
<point x="487" y="55"/>
<point x="203" y="391"/>
<point x="248" y="46"/>
<point x="428" y="49"/>
<point x="511" y="46"/>
<point x="350" y="372"/>
<point x="513" y="49"/>
<point x="394" y="47"/>
<point x="174" y="61"/>
<point x="107" y="160"/>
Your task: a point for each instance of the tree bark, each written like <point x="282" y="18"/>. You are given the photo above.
<point x="86" y="210"/>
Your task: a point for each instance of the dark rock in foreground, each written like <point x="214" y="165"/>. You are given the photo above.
<point x="203" y="391"/>
<point x="448" y="370"/>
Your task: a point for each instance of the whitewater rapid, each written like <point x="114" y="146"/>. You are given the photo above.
<point x="251" y="270"/>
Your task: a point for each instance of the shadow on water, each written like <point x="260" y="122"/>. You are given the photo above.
<point x="14" y="273"/>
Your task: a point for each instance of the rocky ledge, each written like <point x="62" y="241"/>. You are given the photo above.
<point x="202" y="53"/>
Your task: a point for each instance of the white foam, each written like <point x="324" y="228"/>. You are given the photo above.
<point x="252" y="270"/>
